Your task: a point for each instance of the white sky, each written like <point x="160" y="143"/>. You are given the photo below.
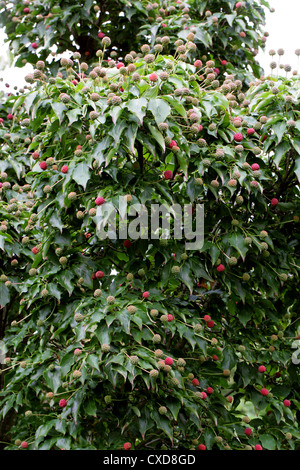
<point x="282" y="26"/>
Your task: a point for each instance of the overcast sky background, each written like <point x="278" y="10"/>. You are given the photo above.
<point x="282" y="26"/>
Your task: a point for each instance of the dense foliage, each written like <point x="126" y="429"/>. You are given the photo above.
<point x="114" y="343"/>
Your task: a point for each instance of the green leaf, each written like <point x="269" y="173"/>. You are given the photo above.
<point x="138" y="107"/>
<point x="236" y="240"/>
<point x="81" y="174"/>
<point x="157" y="136"/>
<point x="176" y="105"/>
<point x="160" y="109"/>
<point x="4" y="295"/>
<point x="229" y="358"/>
<point x="268" y="442"/>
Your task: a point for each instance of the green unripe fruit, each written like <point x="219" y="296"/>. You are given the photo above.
<point x="184" y="257"/>
<point x="23" y="364"/>
<point x="130" y="277"/>
<point x="107" y="399"/>
<point x="141" y="272"/>
<point x="59" y="251"/>
<point x="76" y="374"/>
<point x="248" y="240"/>
<point x="235" y="223"/>
<point x="162" y="410"/>
<point x="156" y="339"/>
<point x="164" y="318"/>
<point x="206" y="163"/>
<point x="44" y="293"/>
<point x="263" y="234"/>
<point x="181" y="362"/>
<point x="134" y="360"/>
<point x="32" y="272"/>
<point x="280" y="334"/>
<point x="232" y="261"/>
<point x="175" y="270"/>
<point x="154" y="312"/>
<point x="246" y="277"/>
<point x="158" y="353"/>
<point x="78" y="317"/>
<point x="265" y="253"/>
<point x="226" y="372"/>
<point x="154" y="373"/>
<point x="219" y="439"/>
<point x="239" y="200"/>
<point x="288" y="436"/>
<point x="28" y="413"/>
<point x="110" y="300"/>
<point x="97" y="293"/>
<point x="241" y="348"/>
<point x="105" y="348"/>
<point x="131" y="309"/>
<point x="283" y="277"/>
<point x="39" y="322"/>
<point x="3" y="278"/>
<point x="264" y="246"/>
<point x="199" y="181"/>
<point x="63" y="260"/>
<point x="198" y="328"/>
<point x="72" y="196"/>
<point x="17" y="442"/>
<point x="246" y="419"/>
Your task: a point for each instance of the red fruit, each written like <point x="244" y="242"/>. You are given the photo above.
<point x="164" y="25"/>
<point x="146" y="294"/>
<point x="255" y="167"/>
<point x="24" y="445"/>
<point x="230" y="399"/>
<point x="62" y="403"/>
<point x="35" y="250"/>
<point x="34" y="45"/>
<point x="206" y="318"/>
<point x="243" y="34"/>
<point x="198" y="64"/>
<point x="170" y="317"/>
<point x="264" y="392"/>
<point x="172" y="144"/>
<point x="99" y="274"/>
<point x="93" y="276"/>
<point x="10" y="117"/>
<point x="250" y="131"/>
<point x="221" y="268"/>
<point x="201" y="447"/>
<point x="1" y="185"/>
<point x="195" y="382"/>
<point x="169" y="361"/>
<point x="204" y="395"/>
<point x="26" y="10"/>
<point x="223" y="62"/>
<point x="248" y="431"/>
<point x="127" y="446"/>
<point x="210" y="324"/>
<point x="64" y="169"/>
<point x="210" y="390"/>
<point x="101" y="35"/>
<point x="79" y="147"/>
<point x="287" y="403"/>
<point x="153" y="77"/>
<point x="261" y="369"/>
<point x="274" y="202"/>
<point x="278" y="374"/>
<point x="215" y="357"/>
<point x="258" y="447"/>
<point x="264" y="137"/>
<point x="168" y="175"/>
<point x="99" y="201"/>
<point x="43" y="165"/>
<point x="119" y="65"/>
<point x="238" y="5"/>
<point x="36" y="155"/>
<point x="238" y="137"/>
<point x="127" y="243"/>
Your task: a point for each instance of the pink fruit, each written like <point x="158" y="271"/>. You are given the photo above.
<point x="238" y="137"/>
<point x="223" y="62"/>
<point x="169" y="361"/>
<point x="62" y="403"/>
<point x="216" y="70"/>
<point x="99" y="274"/>
<point x="261" y="369"/>
<point x="43" y="165"/>
<point x="172" y="144"/>
<point x="34" y="45"/>
<point x="210" y="390"/>
<point x="264" y="392"/>
<point x="168" y="175"/>
<point x="210" y="324"/>
<point x="250" y="131"/>
<point x="75" y="82"/>
<point x="204" y="395"/>
<point x="127" y="446"/>
<point x="26" y="10"/>
<point x="195" y="382"/>
<point x="64" y="169"/>
<point x="153" y="77"/>
<point x="287" y="403"/>
<point x="201" y="447"/>
<point x="198" y="64"/>
<point x="274" y="202"/>
<point x="230" y="399"/>
<point x="238" y="5"/>
<point x="258" y="447"/>
<point x="215" y="357"/>
<point x="10" y="117"/>
<point x="24" y="445"/>
<point x="248" y="431"/>
<point x="170" y="317"/>
<point x="146" y="294"/>
<point x="119" y="65"/>
<point x="206" y="318"/>
<point x="35" y="155"/>
<point x="221" y="268"/>
<point x="35" y="250"/>
<point x="101" y="35"/>
<point x="99" y="201"/>
<point x="255" y="167"/>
